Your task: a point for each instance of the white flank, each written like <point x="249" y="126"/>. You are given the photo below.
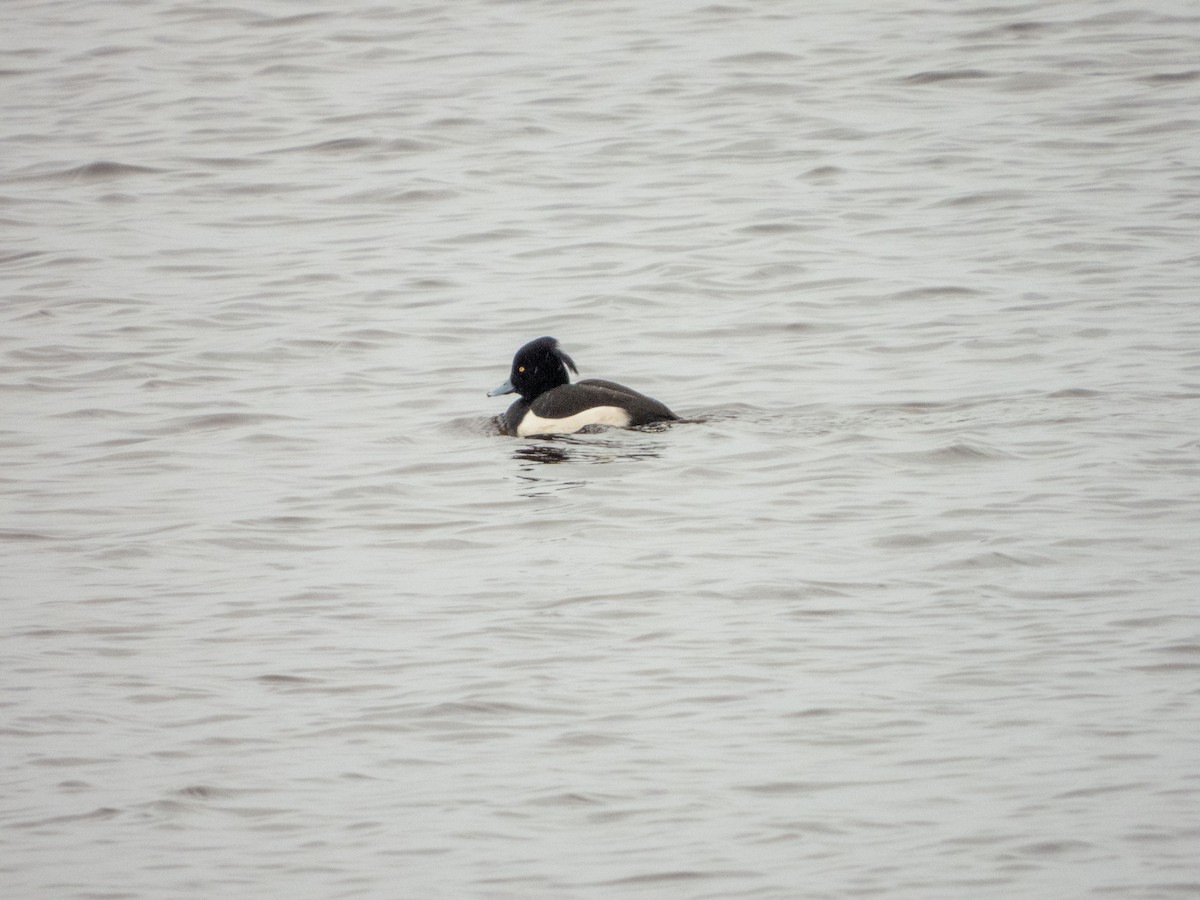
<point x="597" y="415"/>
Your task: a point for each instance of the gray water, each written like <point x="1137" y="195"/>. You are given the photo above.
<point x="908" y="607"/>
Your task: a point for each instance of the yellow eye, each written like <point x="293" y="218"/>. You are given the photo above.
<point x="520" y="368"/>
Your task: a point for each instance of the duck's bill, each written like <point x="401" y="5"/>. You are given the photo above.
<point x="506" y="388"/>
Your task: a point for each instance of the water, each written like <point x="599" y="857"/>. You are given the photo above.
<point x="908" y="609"/>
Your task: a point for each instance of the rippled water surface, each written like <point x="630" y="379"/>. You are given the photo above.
<point x="907" y="608"/>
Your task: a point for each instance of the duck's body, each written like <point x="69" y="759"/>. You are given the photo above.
<point x="550" y="404"/>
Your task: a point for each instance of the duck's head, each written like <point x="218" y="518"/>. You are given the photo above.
<point x="538" y="366"/>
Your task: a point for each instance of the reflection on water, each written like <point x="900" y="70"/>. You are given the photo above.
<point x="600" y="446"/>
<point x="560" y="448"/>
<point x="542" y="453"/>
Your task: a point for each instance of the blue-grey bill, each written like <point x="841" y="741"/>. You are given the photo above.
<point x="506" y="388"/>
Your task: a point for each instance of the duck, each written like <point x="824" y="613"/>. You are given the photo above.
<point x="550" y="404"/>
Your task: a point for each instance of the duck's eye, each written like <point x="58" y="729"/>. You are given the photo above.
<point x="520" y="368"/>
